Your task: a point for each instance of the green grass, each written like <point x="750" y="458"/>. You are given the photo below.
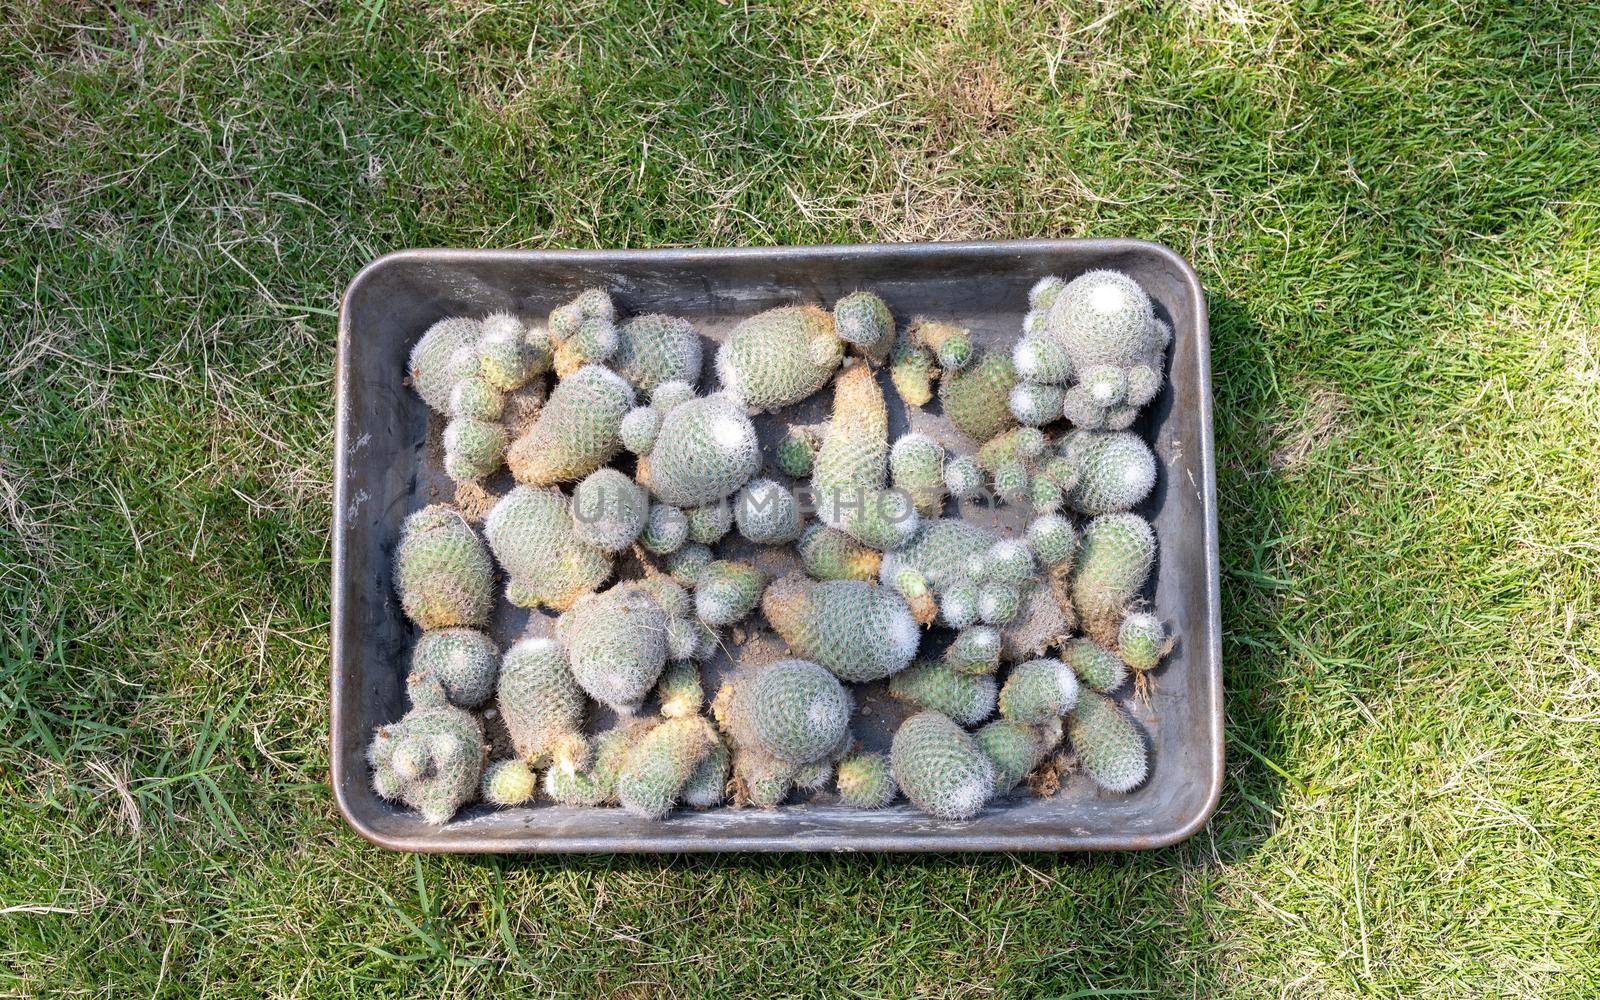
<point x="1393" y="206"/>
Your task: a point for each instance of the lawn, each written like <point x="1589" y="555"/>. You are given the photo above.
<point x="1394" y="206"/>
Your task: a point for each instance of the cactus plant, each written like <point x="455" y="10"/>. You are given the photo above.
<point x="705" y="449"/>
<point x="977" y="399"/>
<point x="616" y="643"/>
<point x="473" y="449"/>
<point x="1115" y="471"/>
<point x="966" y="698"/>
<point x="464" y="661"/>
<point x="596" y="784"/>
<point x="708" y="523"/>
<point x="1054" y="540"/>
<point x="779" y="357"/>
<point x="577" y="431"/>
<point x="686" y="562"/>
<point x="653" y="349"/>
<point x="542" y="706"/>
<point x="916" y="467"/>
<point x="531" y="533"/>
<point x="679" y="691"/>
<point x="666" y="529"/>
<point x="941" y="769"/>
<point x="858" y="631"/>
<point x="1016" y="748"/>
<point x="963" y="477"/>
<point x="608" y="510"/>
<point x="433" y="375"/>
<point x="766" y="513"/>
<point x="660" y="764"/>
<point x="951" y="345"/>
<point x="441" y="571"/>
<point x="726" y="591"/>
<point x="1142" y="640"/>
<point x="796" y="454"/>
<point x="862" y="320"/>
<point x="1108" y="744"/>
<point x="1038" y="691"/>
<point x="432" y="759"/>
<point x="508" y="783"/>
<point x="976" y="650"/>
<point x="1096" y="666"/>
<point x="830" y="554"/>
<point x="583" y="331"/>
<point x="912" y="370"/>
<point x="864" y="781"/>
<point x="792" y="710"/>
<point x="1112" y="566"/>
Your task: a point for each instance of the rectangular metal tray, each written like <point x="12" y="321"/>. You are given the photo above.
<point x="384" y="469"/>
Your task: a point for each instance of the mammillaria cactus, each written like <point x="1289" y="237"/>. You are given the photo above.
<point x="1113" y="564"/>
<point x="1054" y="540"/>
<point x="531" y="533"/>
<point x="542" y="706"/>
<point x="661" y="763"/>
<point x="1016" y="748"/>
<point x="951" y="345"/>
<point x="942" y="769"/>
<point x="963" y="477"/>
<point x="653" y="349"/>
<point x="666" y="529"/>
<point x="1036" y="405"/>
<point x="433" y="375"/>
<point x="596" y="784"/>
<point x="830" y="554"/>
<point x="1114" y="471"/>
<point x="792" y="710"/>
<point x="1106" y="326"/>
<point x="1096" y="666"/>
<point x="1142" y="640"/>
<point x="1109" y="745"/>
<point x="1041" y="622"/>
<point x="464" y="661"/>
<point x="976" y="650"/>
<point x="707" y="785"/>
<point x="796" y="454"/>
<point x="583" y="331"/>
<point x="727" y="591"/>
<point x="966" y="698"/>
<point x="977" y="399"/>
<point x="432" y="758"/>
<point x="608" y="510"/>
<point x="858" y="631"/>
<point x="473" y="448"/>
<point x="708" y="523"/>
<point x="939" y="553"/>
<point x="508" y="783"/>
<point x="703" y="452"/>
<point x="916" y="467"/>
<point x="577" y="431"/>
<point x="441" y="571"/>
<point x="679" y="690"/>
<point x="779" y="357"/>
<point x="862" y="320"/>
<point x="912" y="370"/>
<point x="616" y="643"/>
<point x="850" y="468"/>
<point x="766" y="513"/>
<point x="865" y="781"/>
<point x="1038" y="691"/>
<point x="686" y="562"/>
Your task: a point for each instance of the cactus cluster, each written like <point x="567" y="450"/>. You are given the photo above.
<point x="620" y="461"/>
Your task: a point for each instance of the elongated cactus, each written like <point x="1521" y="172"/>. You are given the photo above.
<point x="653" y="349"/>
<point x="912" y="370"/>
<point x="432" y="759"/>
<point x="942" y="769"/>
<point x="661" y="763"/>
<point x="858" y="631"/>
<point x="708" y="783"/>
<point x="577" y="431"/>
<point x="779" y="357"/>
<point x="616" y="643"/>
<point x="1038" y="691"/>
<point x="1096" y="666"/>
<point x="1016" y="748"/>
<point x="727" y="590"/>
<point x="542" y="706"/>
<point x="865" y="781"/>
<point x="464" y="661"/>
<point x="530" y="531"/>
<point x="966" y="698"/>
<point x="789" y="709"/>
<point x="441" y="570"/>
<point x="1117" y="553"/>
<point x="1108" y="744"/>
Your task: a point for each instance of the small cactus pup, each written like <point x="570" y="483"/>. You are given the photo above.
<point x="858" y="631"/>
<point x="616" y="642"/>
<point x="966" y="698"/>
<point x="708" y="523"/>
<point x="938" y="554"/>
<point x="441" y="570"/>
<point x="1114" y="471"/>
<point x="508" y="783"/>
<point x="726" y="591"/>
<point x="912" y="370"/>
<point x="707" y="787"/>
<point x="596" y="784"/>
<point x="1096" y="666"/>
<point x="1142" y="641"/>
<point x="703" y="452"/>
<point x="1109" y="745"/>
<point x="1040" y="360"/>
<point x="608" y="510"/>
<point x="792" y="710"/>
<point x="779" y="357"/>
<point x="1117" y="553"/>
<point x="767" y="514"/>
<point x="1054" y="540"/>
<point x="530" y="531"/>
<point x="1011" y="459"/>
<point x="863" y="321"/>
<point x="760" y="779"/>
<point x="430" y="366"/>
<point x="639" y="428"/>
<point x="865" y="781"/>
<point x="464" y="661"/>
<point x="583" y="331"/>
<point x="679" y="690"/>
<point x="1108" y="328"/>
<point x="940" y="767"/>
<point x="1038" y="691"/>
<point x="976" y="650"/>
<point x="542" y="706"/>
<point x="661" y="763"/>
<point x="577" y="432"/>
<point x="666" y="529"/>
<point x="653" y="349"/>
<point x="830" y="554"/>
<point x="431" y="760"/>
<point x="951" y="345"/>
<point x="473" y="449"/>
<point x="1036" y="405"/>
<point x="507" y="359"/>
<point x="916" y="468"/>
<point x="977" y="399"/>
<point x="797" y="453"/>
<point x="1016" y="748"/>
<point x="963" y="477"/>
<point x="685" y="563"/>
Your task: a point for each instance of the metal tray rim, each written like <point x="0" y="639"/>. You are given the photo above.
<point x="668" y="841"/>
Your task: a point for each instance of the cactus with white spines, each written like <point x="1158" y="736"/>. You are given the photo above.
<point x="463" y="660"/>
<point x="963" y="477"/>
<point x="432" y="759"/>
<point x="1114" y="471"/>
<point x="796" y="454"/>
<point x="666" y="529"/>
<point x="653" y="349"/>
<point x="661" y="763"/>
<point x="1096" y="666"/>
<point x="583" y="331"/>
<point x="709" y="522"/>
<point x="1142" y="641"/>
<point x="1016" y="748"/>
<point x="779" y="357"/>
<point x="865" y="781"/>
<point x="912" y="369"/>
<point x="966" y="698"/>
<point x="851" y="467"/>
<point x="704" y="450"/>
<point x="790" y="710"/>
<point x="578" y="430"/>
<point x="1054" y="540"/>
<point x="442" y="571"/>
<point x="616" y="642"/>
<point x="596" y="784"/>
<point x="530" y="531"/>
<point x="940" y="767"/>
<point x="431" y="366"/>
<point x="830" y="554"/>
<point x="542" y="705"/>
<point x="1109" y="745"/>
<point x="679" y="691"/>
<point x="1114" y="561"/>
<point x="508" y="783"/>
<point x="858" y="631"/>
<point x="1034" y="404"/>
<point x="767" y="514"/>
<point x="685" y="563"/>
<point x="727" y="590"/>
<point x="863" y="320"/>
<point x="1099" y="332"/>
<point x="916" y="468"/>
<point x="976" y="650"/>
<point x="1041" y="623"/>
<point x="1039" y="690"/>
<point x="977" y="399"/>
<point x="608" y="510"/>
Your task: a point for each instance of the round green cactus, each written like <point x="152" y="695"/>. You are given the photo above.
<point x="942" y="769"/>
<point x="789" y="709"/>
<point x="939" y="553"/>
<point x="958" y="605"/>
<point x="977" y="399"/>
<point x="1096" y="666"/>
<point x="858" y="631"/>
<point x="779" y="357"/>
<point x="666" y="529"/>
<point x="577" y="431"/>
<point x="862" y="320"/>
<point x="865" y="781"/>
<point x="1117" y="553"/>
<point x="639" y="428"/>
<point x="685" y="563"/>
<point x="1115" y="471"/>
<point x="727" y="591"/>
<point x="616" y="642"/>
<point x="705" y="450"/>
<point x="951" y="345"/>
<point x="976" y="650"/>
<point x="505" y="358"/>
<point x="963" y="477"/>
<point x="1142" y="640"/>
<point x="708" y="784"/>
<point x="916" y="467"/>
<point x="432" y="373"/>
<point x="608" y="510"/>
<point x="477" y="399"/>
<point x="441" y="570"/>
<point x="998" y="602"/>
<point x="966" y="698"/>
<point x="508" y="783"/>
<point x="432" y="759"/>
<point x="530" y="531"/>
<point x="796" y="454"/>
<point x="1038" y="691"/>
<point x="653" y="349"/>
<point x="708" y="523"/>
<point x="1016" y="748"/>
<point x="1108" y="744"/>
<point x="1054" y="540"/>
<point x="766" y="513"/>
<point x="464" y="661"/>
<point x="1010" y="561"/>
<point x="1035" y="404"/>
<point x="1041" y="360"/>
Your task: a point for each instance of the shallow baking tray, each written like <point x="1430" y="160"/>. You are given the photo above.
<point x="386" y="465"/>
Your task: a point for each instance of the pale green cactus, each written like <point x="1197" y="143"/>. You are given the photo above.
<point x="577" y="431"/>
<point x="1044" y="291"/>
<point x="1035" y="404"/>
<point x="958" y="605"/>
<point x="661" y="763"/>
<point x="830" y="554"/>
<point x="1010" y="561"/>
<point x="727" y="591"/>
<point x="679" y="691"/>
<point x="1038" y="691"/>
<point x="464" y="661"/>
<point x="431" y="760"/>
<point x="707" y="524"/>
<point x="797" y="452"/>
<point x="666" y="529"/>
<point x="531" y="534"/>
<point x="542" y="706"/>
<point x="608" y="510"/>
<point x="862" y="320"/>
<point x="433" y="374"/>
<point x="685" y="563"/>
<point x="966" y="698"/>
<point x="583" y="331"/>
<point x="707" y="786"/>
<point x="963" y="477"/>
<point x="977" y="399"/>
<point x="1107" y="327"/>
<point x="653" y="349"/>
<point x="912" y="370"/>
<point x="779" y="357"/>
<point x="767" y="514"/>
<point x="998" y="602"/>
<point x="941" y="769"/>
<point x="1142" y="640"/>
<point x="476" y="399"/>
<point x="792" y="710"/>
<point x="858" y="631"/>
<point x="1054" y="540"/>
<point x="441" y="570"/>
<point x="673" y="596"/>
<point x="951" y="345"/>
<point x="1040" y="360"/>
<point x="1096" y="666"/>
<point x="865" y="781"/>
<point x="1117" y="553"/>
<point x="508" y="783"/>
<point x="506" y="359"/>
<point x="916" y="467"/>
<point x="976" y="650"/>
<point x="1108" y="744"/>
<point x="639" y="428"/>
<point x="596" y="785"/>
<point x="616" y="644"/>
<point x="705" y="450"/>
<point x="1016" y="748"/>
<point x="668" y="395"/>
<point x="1115" y="470"/>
